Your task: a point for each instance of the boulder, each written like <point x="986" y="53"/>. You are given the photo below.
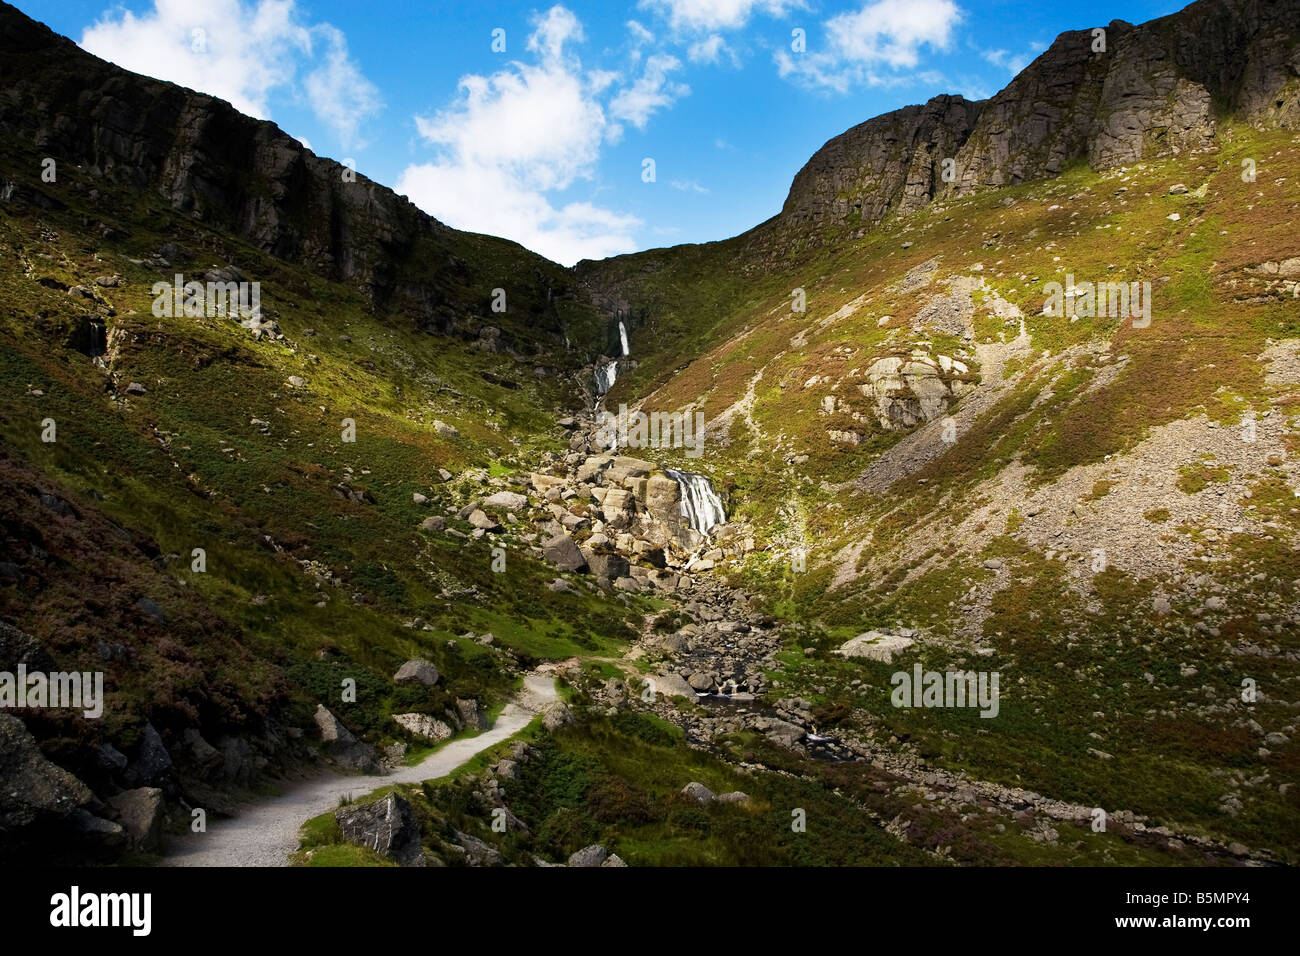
<point x="876" y="646"/>
<point x="506" y="501"/>
<point x="471" y="714"/>
<point x="784" y="733"/>
<point x="141" y="814"/>
<point x="480" y="519"/>
<point x="624" y="467"/>
<point x="478" y="853"/>
<point x="663" y="497"/>
<point x="434" y="523"/>
<point x="387" y="826"/>
<point x="417" y="671"/>
<point x="563" y="552"/>
<point x="735" y="796"/>
<point x="31" y="787"/>
<point x="671" y="685"/>
<point x="594" y="855"/>
<point x="422" y="725"/>
<point x="556" y="715"/>
<point x="698" y="792"/>
<point x="591" y="469"/>
<point x="702" y="683"/>
<point x="342" y="745"/>
<point x="544" y="483"/>
<point x="607" y="565"/>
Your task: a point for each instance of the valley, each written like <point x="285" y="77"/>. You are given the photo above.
<point x="932" y="522"/>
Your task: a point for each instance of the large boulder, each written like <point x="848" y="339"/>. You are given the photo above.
<point x="387" y="826"/>
<point x="909" y="390"/>
<point x="608" y="565"/>
<point x="563" y="552"/>
<point x="141" y="814"/>
<point x="671" y="685"/>
<point x="342" y="745"/>
<point x="506" y="501"/>
<point x="701" y="682"/>
<point x="417" y="671"/>
<point x="594" y="855"/>
<point x="471" y="714"/>
<point x="477" y="852"/>
<point x="591" y="469"/>
<point x="624" y="467"/>
<point x="699" y="792"/>
<point x="875" y="646"/>
<point x="663" y="497"/>
<point x="422" y="725"/>
<point x="30" y="786"/>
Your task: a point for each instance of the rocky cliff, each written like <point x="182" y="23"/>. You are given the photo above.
<point x="1149" y="90"/>
<point x="247" y="178"/>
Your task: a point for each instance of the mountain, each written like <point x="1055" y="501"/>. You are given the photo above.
<point x="1157" y="89"/>
<point x="1030" y="413"/>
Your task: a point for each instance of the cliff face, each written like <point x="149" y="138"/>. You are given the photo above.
<point x="247" y="178"/>
<point x="892" y="163"/>
<point x="1158" y="88"/>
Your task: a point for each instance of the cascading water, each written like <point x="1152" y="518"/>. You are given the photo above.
<point x="606" y="373"/>
<point x="622" y="337"/>
<point x="701" y="505"/>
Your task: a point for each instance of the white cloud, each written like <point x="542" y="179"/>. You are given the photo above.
<point x="524" y="131"/>
<point x="652" y="91"/>
<point x="242" y="53"/>
<point x="706" y="15"/>
<point x="873" y="44"/>
<point x="1011" y="62"/>
<point x="640" y="35"/>
<point x="339" y="95"/>
<point x="488" y="199"/>
<point x="688" y="186"/>
<point x="707" y="50"/>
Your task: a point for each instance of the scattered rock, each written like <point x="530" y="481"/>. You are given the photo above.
<point x="141" y="815"/>
<point x="387" y="826"/>
<point x="417" y="671"/>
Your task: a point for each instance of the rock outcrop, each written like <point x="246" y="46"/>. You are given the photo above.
<point x="1155" y="89"/>
<point x="387" y="826"/>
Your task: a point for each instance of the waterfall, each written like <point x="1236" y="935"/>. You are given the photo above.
<point x="701" y="506"/>
<point x="622" y="336"/>
<point x="606" y="373"/>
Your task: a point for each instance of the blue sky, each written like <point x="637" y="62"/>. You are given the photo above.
<point x="545" y="142"/>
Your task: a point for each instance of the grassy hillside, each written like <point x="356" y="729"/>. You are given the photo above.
<point x="316" y="566"/>
<point x="1097" y="528"/>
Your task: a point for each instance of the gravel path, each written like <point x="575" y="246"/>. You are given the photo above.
<point x="266" y="832"/>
